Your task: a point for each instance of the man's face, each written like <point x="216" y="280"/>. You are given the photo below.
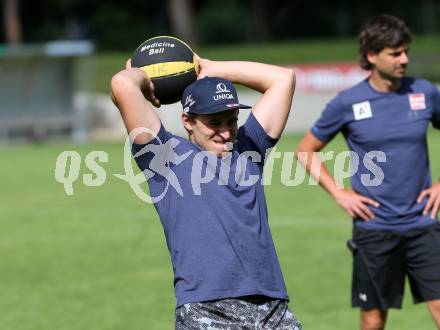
<point x="212" y="132"/>
<point x="390" y="62"/>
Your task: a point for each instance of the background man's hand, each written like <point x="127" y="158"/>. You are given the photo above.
<point x="433" y="203"/>
<point x="354" y="204"/>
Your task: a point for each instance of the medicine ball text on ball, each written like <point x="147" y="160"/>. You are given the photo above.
<point x="169" y="63"/>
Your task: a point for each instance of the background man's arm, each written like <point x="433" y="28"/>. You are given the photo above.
<point x="433" y="193"/>
<point x="131" y="90"/>
<point x="433" y="204"/>
<point x="276" y="83"/>
<point x="353" y="203"/>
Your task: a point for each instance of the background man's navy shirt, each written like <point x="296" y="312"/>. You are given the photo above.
<point x="395" y="123"/>
<point x="218" y="237"/>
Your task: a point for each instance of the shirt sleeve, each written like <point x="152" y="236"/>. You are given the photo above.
<point x="436" y="107"/>
<point x="144" y="153"/>
<point x="154" y="160"/>
<point x="252" y="137"/>
<point x="331" y="120"/>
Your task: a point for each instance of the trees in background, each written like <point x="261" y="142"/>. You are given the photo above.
<point x="11" y="21"/>
<point x="181" y="17"/>
<point x="118" y="25"/>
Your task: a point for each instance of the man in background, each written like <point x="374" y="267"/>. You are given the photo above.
<point x="384" y="120"/>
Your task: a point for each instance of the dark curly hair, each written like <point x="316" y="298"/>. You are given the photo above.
<point x="380" y="32"/>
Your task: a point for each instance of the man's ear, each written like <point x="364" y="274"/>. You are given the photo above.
<point x="371" y="57"/>
<point x="186" y="121"/>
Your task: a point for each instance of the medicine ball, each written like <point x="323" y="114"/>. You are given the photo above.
<point x="170" y="64"/>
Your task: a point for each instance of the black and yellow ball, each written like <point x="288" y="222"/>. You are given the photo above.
<point x="170" y="64"/>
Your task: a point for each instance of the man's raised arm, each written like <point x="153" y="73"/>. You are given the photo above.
<point x="131" y="90"/>
<point x="276" y="83"/>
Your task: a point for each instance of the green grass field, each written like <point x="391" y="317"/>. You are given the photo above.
<point x="98" y="259"/>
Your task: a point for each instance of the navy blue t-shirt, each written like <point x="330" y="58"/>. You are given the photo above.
<point x="214" y="215"/>
<point x="388" y="133"/>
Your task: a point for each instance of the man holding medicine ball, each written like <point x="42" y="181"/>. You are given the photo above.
<point x="226" y="271"/>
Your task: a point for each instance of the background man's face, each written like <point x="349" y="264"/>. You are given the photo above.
<point x="390" y="62"/>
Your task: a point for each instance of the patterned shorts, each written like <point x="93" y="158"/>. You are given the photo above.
<point x="244" y="313"/>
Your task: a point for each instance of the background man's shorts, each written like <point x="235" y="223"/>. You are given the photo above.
<point x="382" y="259"/>
<point x="244" y="313"/>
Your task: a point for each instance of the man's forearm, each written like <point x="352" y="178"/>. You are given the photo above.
<point x="258" y="76"/>
<point x="128" y="89"/>
<point x="318" y="171"/>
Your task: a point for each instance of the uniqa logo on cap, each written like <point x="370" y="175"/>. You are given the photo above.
<point x="226" y="93"/>
<point x="221" y="88"/>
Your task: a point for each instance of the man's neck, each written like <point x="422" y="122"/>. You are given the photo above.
<point x="383" y="84"/>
